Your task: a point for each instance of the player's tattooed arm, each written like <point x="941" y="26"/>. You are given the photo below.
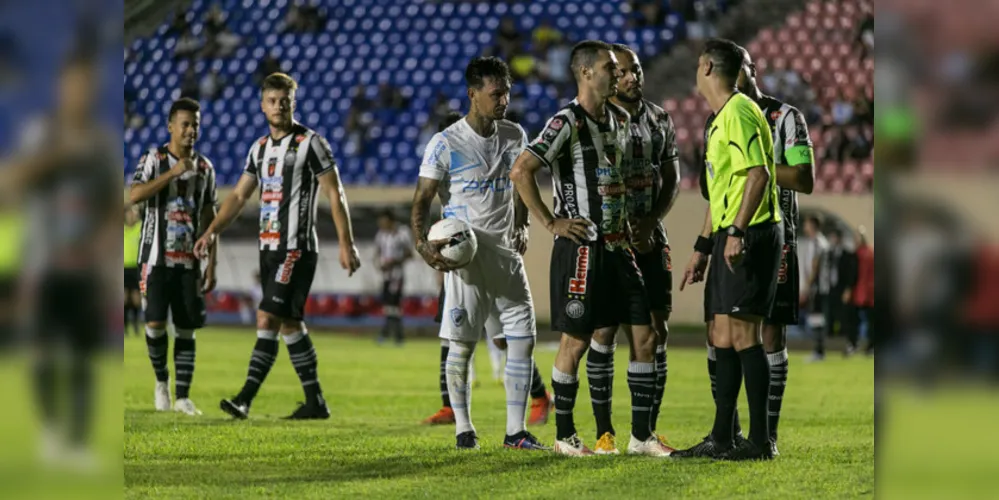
<point x="521" y="223"/>
<point x="799" y="173"/>
<point x="426" y="189"/>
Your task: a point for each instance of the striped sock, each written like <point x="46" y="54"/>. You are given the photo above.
<point x="445" y="399"/>
<point x="263" y="358"/>
<point x="519" y="360"/>
<point x="642" y="382"/>
<point x="157" y="343"/>
<point x="778" y="382"/>
<point x="303" y="358"/>
<point x="661" y="372"/>
<point x="458" y="361"/>
<point x="538" y="389"/>
<point x="183" y="362"/>
<point x="566" y="387"/>
<point x="600" y="375"/>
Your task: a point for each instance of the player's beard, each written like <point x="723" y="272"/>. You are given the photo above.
<point x="280" y="122"/>
<point x="631" y="97"/>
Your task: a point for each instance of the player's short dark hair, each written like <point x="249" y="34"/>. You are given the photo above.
<point x="278" y="81"/>
<point x="452" y="116"/>
<point x="387" y="213"/>
<point x="480" y="68"/>
<point x="814" y="218"/>
<point x="620" y="47"/>
<point x="584" y="54"/>
<point x="726" y="56"/>
<point x="183" y="104"/>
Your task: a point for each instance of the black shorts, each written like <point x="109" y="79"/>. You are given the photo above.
<point x="440" y="307"/>
<point x="593" y="287"/>
<point x="131" y="279"/>
<point x="70" y="311"/>
<point x="392" y="292"/>
<point x="286" y="279"/>
<point x="657" y="272"/>
<point x="785" y="311"/>
<point x="752" y="287"/>
<point x="173" y="290"/>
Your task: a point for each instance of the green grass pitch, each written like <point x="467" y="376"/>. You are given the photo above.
<point x="373" y="446"/>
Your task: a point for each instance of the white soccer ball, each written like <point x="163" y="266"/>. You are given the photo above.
<point x="461" y="242"/>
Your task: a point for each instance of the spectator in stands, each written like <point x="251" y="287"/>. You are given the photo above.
<point x="304" y="18"/>
<point x="841" y="109"/>
<point x="358" y="131"/>
<point x="508" y="39"/>
<point x="524" y="66"/>
<point x="214" y="21"/>
<point x="545" y="35"/>
<point x="187" y="46"/>
<point x="212" y="85"/>
<point x="857" y="146"/>
<point x="863" y="109"/>
<point x="557" y="63"/>
<point x="705" y="14"/>
<point x="190" y="87"/>
<point x="180" y="24"/>
<point x="359" y="100"/>
<point x="865" y="36"/>
<point x="863" y="291"/>
<point x="269" y="65"/>
<point x="390" y="97"/>
<point x="647" y="14"/>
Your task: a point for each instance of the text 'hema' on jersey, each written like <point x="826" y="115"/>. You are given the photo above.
<point x="475" y="177"/>
<point x="288" y="171"/>
<point x="586" y="158"/>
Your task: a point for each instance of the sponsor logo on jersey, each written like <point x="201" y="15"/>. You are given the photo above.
<point x="458" y="316"/>
<point x="575" y="309"/>
<point x="577" y="284"/>
<point x="495" y="185"/>
<point x="782" y="272"/>
<point x="271" y="197"/>
<point x="569" y="196"/>
<point x="612" y="189"/>
<point x="270" y="238"/>
<point x="287" y="267"/>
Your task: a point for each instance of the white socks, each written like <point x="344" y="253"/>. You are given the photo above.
<point x="456" y="372"/>
<point x="519" y="374"/>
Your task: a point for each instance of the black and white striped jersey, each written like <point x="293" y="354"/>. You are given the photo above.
<point x="288" y="170"/>
<point x="789" y="130"/>
<point x="652" y="145"/>
<point x="172" y="221"/>
<point x="586" y="158"/>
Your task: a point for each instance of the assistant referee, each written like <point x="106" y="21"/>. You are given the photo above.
<point x="746" y="239"/>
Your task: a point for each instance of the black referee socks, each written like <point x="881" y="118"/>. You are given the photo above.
<point x="729" y="377"/>
<point x="756" y="369"/>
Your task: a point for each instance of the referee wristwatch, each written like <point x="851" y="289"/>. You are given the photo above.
<point x="735" y="232"/>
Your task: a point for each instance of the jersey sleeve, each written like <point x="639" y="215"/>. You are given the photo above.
<point x="436" y="158"/>
<point x="745" y="130"/>
<point x="670" y="149"/>
<point x="548" y="146"/>
<point x="321" y="159"/>
<point x="797" y="143"/>
<point x="251" y="168"/>
<point x="145" y="170"/>
<point x="210" y="197"/>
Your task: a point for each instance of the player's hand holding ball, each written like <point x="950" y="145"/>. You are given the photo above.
<point x="451" y="244"/>
<point x="350" y="259"/>
<point x="576" y="230"/>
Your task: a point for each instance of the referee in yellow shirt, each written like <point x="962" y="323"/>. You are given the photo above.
<point x="133" y="300"/>
<point x="742" y="232"/>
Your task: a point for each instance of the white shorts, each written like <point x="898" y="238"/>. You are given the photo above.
<point x="490" y="293"/>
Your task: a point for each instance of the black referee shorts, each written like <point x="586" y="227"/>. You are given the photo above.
<point x="593" y="288"/>
<point x="657" y="272"/>
<point x="752" y="287"/>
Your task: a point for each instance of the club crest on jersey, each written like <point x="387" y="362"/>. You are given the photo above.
<point x="262" y="141"/>
<point x="299" y="138"/>
<point x="577" y="284"/>
<point x="557" y="124"/>
<point x="271" y="167"/>
<point x="775" y="115"/>
<point x="458" y="316"/>
<point x="575" y="309"/>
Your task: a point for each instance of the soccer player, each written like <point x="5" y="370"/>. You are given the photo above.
<point x="743" y="220"/>
<point x="652" y="174"/>
<point x="393" y="247"/>
<point x="178" y="186"/>
<point x="291" y="165"/>
<point x="467" y="165"/>
<point x="795" y="172"/>
<point x="595" y="281"/>
<point x="132" y="239"/>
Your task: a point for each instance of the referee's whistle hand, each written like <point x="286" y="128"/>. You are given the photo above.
<point x="734" y="252"/>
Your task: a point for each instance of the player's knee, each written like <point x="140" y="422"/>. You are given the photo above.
<point x="289" y="326"/>
<point x="659" y="327"/>
<point x="605" y="336"/>
<point x="744" y="331"/>
<point x="156" y="325"/>
<point x="573" y="346"/>
<point x="267" y="321"/>
<point x="774" y="338"/>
